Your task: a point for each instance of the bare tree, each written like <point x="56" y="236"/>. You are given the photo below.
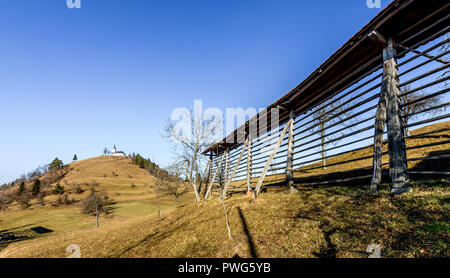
<point x="94" y="203"/>
<point x="221" y="178"/>
<point x="414" y="103"/>
<point x="3" y="201"/>
<point x="444" y="59"/>
<point x="331" y="114"/>
<point x="187" y="148"/>
<point x="172" y="184"/>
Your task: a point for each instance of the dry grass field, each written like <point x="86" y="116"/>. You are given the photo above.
<point x="319" y="221"/>
<point x="131" y="191"/>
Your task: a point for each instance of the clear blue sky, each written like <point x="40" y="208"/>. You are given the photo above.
<point x="78" y="80"/>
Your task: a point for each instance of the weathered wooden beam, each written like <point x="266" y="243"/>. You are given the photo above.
<point x="227" y="161"/>
<point x="380" y="121"/>
<point x="290" y="155"/>
<point x="230" y="179"/>
<point x="398" y="166"/>
<point x="443" y="61"/>
<point x="211" y="182"/>
<point x="206" y="175"/>
<point x="264" y="172"/>
<point x="379" y="39"/>
<point x="249" y="165"/>
<point x="209" y="172"/>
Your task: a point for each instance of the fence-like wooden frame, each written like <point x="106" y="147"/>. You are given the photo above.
<point x="361" y="78"/>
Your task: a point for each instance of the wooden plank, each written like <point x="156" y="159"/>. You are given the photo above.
<point x="209" y="172"/>
<point x="228" y="181"/>
<point x="214" y="177"/>
<point x="290" y="155"/>
<point x="227" y="161"/>
<point x="277" y="147"/>
<point x="206" y="175"/>
<point x="380" y="121"/>
<point x="249" y="165"/>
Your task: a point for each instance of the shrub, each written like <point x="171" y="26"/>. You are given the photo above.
<point x="24" y="200"/>
<point x="58" y="190"/>
<point x="3" y="202"/>
<point x="40" y="198"/>
<point x="65" y="199"/>
<point x="78" y="189"/>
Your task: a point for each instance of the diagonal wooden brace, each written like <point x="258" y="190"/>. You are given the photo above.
<point x="277" y="147"/>
<point x="227" y="184"/>
<point x="213" y="178"/>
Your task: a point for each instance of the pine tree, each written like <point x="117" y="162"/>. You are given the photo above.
<point x="36" y="187"/>
<point x="56" y="164"/>
<point x="75" y="158"/>
<point x="21" y="188"/>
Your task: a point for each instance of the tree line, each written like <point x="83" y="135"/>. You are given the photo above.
<point x="151" y="167"/>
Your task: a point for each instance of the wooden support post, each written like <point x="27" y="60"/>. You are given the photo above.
<point x="227" y="158"/>
<point x="209" y="173"/>
<point x="206" y="175"/>
<point x="389" y="109"/>
<point x="398" y="166"/>
<point x="380" y="121"/>
<point x="211" y="182"/>
<point x="230" y="178"/>
<point x="264" y="172"/>
<point x="290" y="155"/>
<point x="249" y="165"/>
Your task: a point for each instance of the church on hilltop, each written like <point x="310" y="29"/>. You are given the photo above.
<point x="115" y="152"/>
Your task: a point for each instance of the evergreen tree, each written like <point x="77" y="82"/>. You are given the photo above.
<point x="56" y="164"/>
<point x="58" y="190"/>
<point x="146" y="164"/>
<point x="21" y="188"/>
<point x="36" y="187"/>
<point x="75" y="158"/>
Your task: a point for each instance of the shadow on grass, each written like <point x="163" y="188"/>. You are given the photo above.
<point x="250" y="242"/>
<point x="142" y="241"/>
<point x="8" y="237"/>
<point x="330" y="251"/>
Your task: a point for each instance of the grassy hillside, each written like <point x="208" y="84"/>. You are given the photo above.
<point x="323" y="222"/>
<point x="118" y="176"/>
<point x="130" y="189"/>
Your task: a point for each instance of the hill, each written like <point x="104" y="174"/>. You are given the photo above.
<point x="323" y="222"/>
<point x="131" y="191"/>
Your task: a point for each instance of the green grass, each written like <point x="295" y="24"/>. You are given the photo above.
<point x="58" y="220"/>
<point x="137" y="209"/>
